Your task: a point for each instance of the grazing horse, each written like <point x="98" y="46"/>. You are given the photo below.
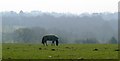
<point x="52" y="38"/>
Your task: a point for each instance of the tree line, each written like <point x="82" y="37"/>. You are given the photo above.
<point x="35" y="34"/>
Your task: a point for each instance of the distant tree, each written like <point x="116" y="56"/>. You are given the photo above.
<point x="38" y="33"/>
<point x="23" y="35"/>
<point x="113" y="40"/>
<point x="21" y="12"/>
<point x="80" y="41"/>
<point x="7" y="37"/>
<point x="62" y="35"/>
<point x="62" y="40"/>
<point x="29" y="35"/>
<point x="87" y="41"/>
<point x="90" y="40"/>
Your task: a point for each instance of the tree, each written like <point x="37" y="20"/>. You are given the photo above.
<point x="38" y="33"/>
<point x="29" y="35"/>
<point x="91" y="40"/>
<point x="87" y="41"/>
<point x="113" y="40"/>
<point x="23" y="35"/>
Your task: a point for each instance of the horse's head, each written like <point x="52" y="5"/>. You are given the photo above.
<point x="42" y="42"/>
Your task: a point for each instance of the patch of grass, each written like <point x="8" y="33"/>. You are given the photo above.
<point x="0" y="51"/>
<point x="63" y="51"/>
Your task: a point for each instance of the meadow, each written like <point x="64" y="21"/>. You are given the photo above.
<point x="63" y="51"/>
<point x="0" y="51"/>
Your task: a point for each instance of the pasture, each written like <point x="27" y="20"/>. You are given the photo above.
<point x="63" y="51"/>
<point x="0" y="51"/>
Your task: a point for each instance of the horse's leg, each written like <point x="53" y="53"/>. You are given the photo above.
<point x="43" y="43"/>
<point x="52" y="43"/>
<point x="57" y="42"/>
<point x="46" y="43"/>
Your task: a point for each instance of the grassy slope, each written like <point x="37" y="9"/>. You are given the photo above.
<point x="63" y="51"/>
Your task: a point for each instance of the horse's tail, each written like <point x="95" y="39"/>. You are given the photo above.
<point x="57" y="42"/>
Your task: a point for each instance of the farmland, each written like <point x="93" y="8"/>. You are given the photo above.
<point x="63" y="51"/>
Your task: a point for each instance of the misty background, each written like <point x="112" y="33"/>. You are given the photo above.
<point x="30" y="27"/>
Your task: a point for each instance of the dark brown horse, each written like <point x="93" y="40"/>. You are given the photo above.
<point x="52" y="38"/>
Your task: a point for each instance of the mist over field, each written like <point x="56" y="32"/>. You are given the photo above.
<point x="30" y="27"/>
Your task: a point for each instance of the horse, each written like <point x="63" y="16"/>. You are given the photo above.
<point x="52" y="38"/>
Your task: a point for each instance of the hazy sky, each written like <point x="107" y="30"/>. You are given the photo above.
<point x="71" y="6"/>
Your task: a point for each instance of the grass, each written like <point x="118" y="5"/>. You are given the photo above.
<point x="0" y="51"/>
<point x="63" y="51"/>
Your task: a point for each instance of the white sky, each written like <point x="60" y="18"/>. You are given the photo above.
<point x="71" y="6"/>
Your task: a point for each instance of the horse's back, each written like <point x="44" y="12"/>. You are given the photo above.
<point x="50" y="37"/>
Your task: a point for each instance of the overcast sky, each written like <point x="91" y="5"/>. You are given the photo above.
<point x="64" y="6"/>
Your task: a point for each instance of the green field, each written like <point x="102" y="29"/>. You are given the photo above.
<point x="0" y="51"/>
<point x="63" y="51"/>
